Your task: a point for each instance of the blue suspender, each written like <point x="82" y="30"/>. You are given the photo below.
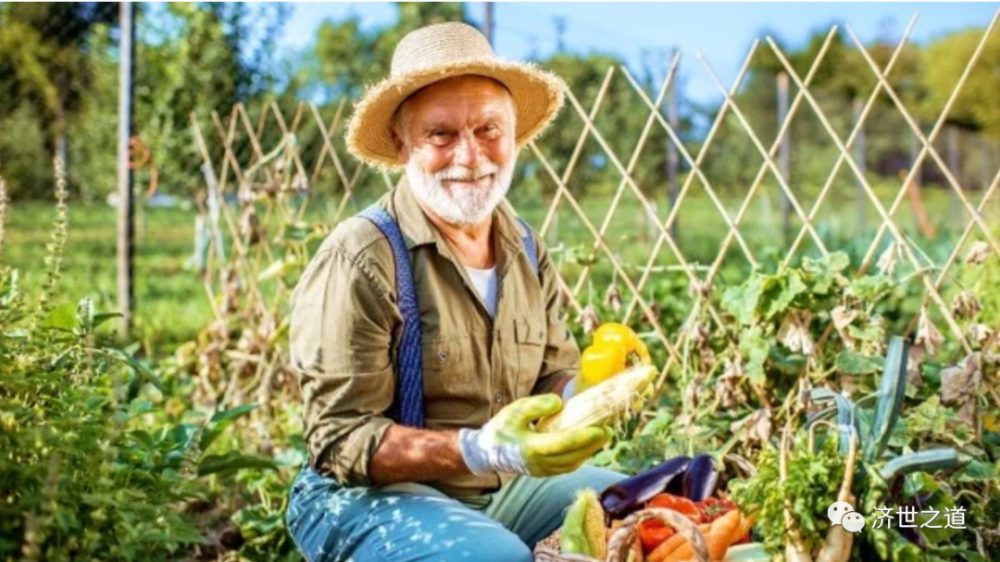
<point x="410" y="361"/>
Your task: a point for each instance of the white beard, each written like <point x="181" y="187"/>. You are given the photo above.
<point x="460" y="206"/>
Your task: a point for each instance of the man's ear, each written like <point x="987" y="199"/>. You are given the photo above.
<point x="402" y="153"/>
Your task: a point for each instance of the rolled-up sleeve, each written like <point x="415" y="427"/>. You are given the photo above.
<point x="340" y="338"/>
<point x="562" y="354"/>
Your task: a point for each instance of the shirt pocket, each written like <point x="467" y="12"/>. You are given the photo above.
<point x="530" y="338"/>
<point x="451" y="386"/>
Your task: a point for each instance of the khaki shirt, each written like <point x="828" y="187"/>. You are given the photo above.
<point x="345" y="328"/>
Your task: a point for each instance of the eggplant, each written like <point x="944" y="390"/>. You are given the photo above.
<point x="700" y="478"/>
<point x="630" y="494"/>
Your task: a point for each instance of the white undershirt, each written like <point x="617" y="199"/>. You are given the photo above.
<point x="485" y="283"/>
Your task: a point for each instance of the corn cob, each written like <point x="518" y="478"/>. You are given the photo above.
<point x="583" y="530"/>
<point x="603" y="404"/>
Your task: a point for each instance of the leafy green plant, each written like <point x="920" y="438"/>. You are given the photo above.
<point x="92" y="469"/>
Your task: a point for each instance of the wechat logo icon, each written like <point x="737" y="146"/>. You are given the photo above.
<point x="842" y="513"/>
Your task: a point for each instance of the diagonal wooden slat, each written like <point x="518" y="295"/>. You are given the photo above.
<point x="761" y="173"/>
<point x="849" y="143"/>
<point x="571" y="200"/>
<point x="928" y="146"/>
<point x="577" y="151"/>
<point x="768" y="155"/>
<point x="902" y="240"/>
<point x="627" y="182"/>
<point x="695" y="165"/>
<point x="953" y="256"/>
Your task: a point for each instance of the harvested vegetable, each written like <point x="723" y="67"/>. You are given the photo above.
<point x="679" y="504"/>
<point x="722" y="533"/>
<point x="673" y="543"/>
<point x="713" y="508"/>
<point x="630" y="494"/>
<point x="654" y="532"/>
<point x="613" y="346"/>
<point x="583" y="530"/>
<point x="700" y="478"/>
<point x="605" y="404"/>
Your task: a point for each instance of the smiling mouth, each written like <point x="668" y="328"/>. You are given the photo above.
<point x="471" y="181"/>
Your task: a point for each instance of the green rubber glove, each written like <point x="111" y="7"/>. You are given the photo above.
<point x="508" y="443"/>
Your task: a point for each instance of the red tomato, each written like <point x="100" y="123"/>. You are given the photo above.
<point x="679" y="504"/>
<point x="652" y="534"/>
<point x="711" y="509"/>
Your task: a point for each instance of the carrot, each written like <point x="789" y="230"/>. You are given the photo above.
<point x="725" y="531"/>
<point x="745" y="525"/>
<point x="674" y="543"/>
<point x="722" y="533"/>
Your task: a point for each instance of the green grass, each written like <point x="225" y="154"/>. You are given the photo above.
<point x="170" y="301"/>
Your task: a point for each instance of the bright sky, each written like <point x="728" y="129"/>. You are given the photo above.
<point x="722" y="32"/>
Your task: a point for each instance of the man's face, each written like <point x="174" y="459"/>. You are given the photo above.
<point x="456" y="139"/>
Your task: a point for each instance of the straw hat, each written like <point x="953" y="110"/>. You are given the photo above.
<point x="441" y="51"/>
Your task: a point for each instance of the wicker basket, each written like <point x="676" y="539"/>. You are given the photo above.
<point x="623" y="539"/>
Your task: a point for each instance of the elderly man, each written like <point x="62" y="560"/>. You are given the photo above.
<point x="428" y="333"/>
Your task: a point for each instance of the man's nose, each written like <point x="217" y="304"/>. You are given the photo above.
<point x="467" y="153"/>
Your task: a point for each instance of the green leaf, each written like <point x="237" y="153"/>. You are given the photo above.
<point x="742" y="301"/>
<point x="143" y="438"/>
<point x="832" y="263"/>
<point x="891" y="394"/>
<point x="220" y="421"/>
<point x="845" y="414"/>
<point x="180" y="438"/>
<point x="790" y="286"/>
<point x="924" y="461"/>
<point x="870" y="287"/>
<point x="141" y="372"/>
<point x="852" y="363"/>
<point x="256" y="521"/>
<point x="976" y="472"/>
<point x="755" y="347"/>
<point x="102" y="317"/>
<point x="233" y="461"/>
<point x="62" y="317"/>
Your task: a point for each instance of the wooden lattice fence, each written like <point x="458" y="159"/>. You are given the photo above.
<point x="279" y="181"/>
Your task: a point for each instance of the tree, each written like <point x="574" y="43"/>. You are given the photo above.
<point x="44" y="69"/>
<point x="348" y="58"/>
<point x="944" y="61"/>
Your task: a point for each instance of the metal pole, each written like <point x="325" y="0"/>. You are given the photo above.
<point x="126" y="202"/>
<point x="488" y="23"/>
<point x="783" y="157"/>
<point x="673" y="161"/>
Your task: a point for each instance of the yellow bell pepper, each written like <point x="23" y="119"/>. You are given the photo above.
<point x="613" y="346"/>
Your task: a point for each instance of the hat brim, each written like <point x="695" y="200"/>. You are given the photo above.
<point x="537" y="95"/>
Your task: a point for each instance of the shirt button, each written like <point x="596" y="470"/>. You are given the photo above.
<point x="442" y="356"/>
<point x="498" y="398"/>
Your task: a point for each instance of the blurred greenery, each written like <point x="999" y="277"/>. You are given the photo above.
<point x="58" y="90"/>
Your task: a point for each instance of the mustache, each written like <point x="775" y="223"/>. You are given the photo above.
<point x="464" y="173"/>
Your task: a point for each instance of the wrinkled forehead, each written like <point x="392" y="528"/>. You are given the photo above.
<point x="468" y="94"/>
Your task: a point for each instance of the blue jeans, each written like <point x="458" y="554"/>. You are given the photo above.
<point x="413" y="522"/>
